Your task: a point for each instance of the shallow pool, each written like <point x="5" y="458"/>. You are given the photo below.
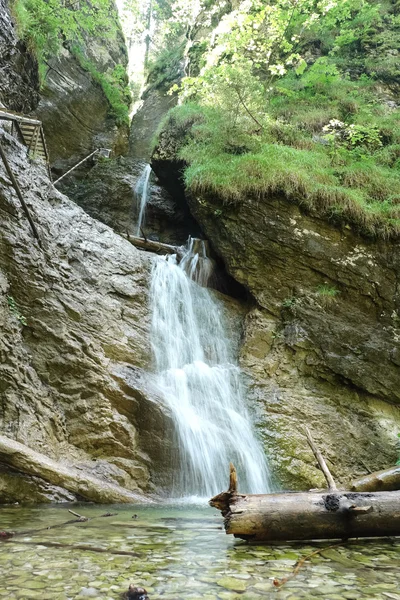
<point x="182" y="553"/>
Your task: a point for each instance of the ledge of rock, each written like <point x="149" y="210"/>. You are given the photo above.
<point x="322" y="345"/>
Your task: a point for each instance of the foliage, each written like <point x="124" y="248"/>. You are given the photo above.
<point x="328" y="291"/>
<point x="47" y="25"/>
<point x="114" y="85"/>
<point x="289" y="302"/>
<point x="286" y="103"/>
<point x="165" y="68"/>
<point x="14" y="310"/>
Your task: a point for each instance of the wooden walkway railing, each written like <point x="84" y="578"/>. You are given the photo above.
<point x="30" y="133"/>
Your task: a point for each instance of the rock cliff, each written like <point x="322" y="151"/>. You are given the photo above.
<point x="321" y="346"/>
<point x="108" y="193"/>
<point x="74" y="321"/>
<point x="19" y="80"/>
<point x="77" y="115"/>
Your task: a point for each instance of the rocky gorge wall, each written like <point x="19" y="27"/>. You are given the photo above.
<point x="77" y="115"/>
<point x="75" y="342"/>
<point x="320" y="334"/>
<point x="19" y="80"/>
<point x="321" y="345"/>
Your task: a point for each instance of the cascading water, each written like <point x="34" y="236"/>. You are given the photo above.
<point x="142" y="195"/>
<point x="199" y="380"/>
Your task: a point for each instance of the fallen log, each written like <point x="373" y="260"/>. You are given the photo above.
<point x="28" y="461"/>
<point x="308" y="515"/>
<point x="387" y="480"/>
<point x="152" y="246"/>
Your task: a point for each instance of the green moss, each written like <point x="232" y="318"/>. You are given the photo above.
<point x="114" y="86"/>
<point x="165" y="69"/>
<point x="356" y="185"/>
<point x="47" y="25"/>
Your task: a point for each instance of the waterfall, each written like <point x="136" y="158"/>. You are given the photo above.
<point x="200" y="381"/>
<point x="142" y="195"/>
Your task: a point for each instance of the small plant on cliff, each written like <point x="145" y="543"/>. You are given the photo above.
<point x="398" y="448"/>
<point x="329" y="291"/>
<point x="14" y="310"/>
<point x="289" y="302"/>
<point x="327" y="294"/>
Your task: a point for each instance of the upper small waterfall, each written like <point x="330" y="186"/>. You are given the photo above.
<point x="142" y="194"/>
<point x="200" y="381"/>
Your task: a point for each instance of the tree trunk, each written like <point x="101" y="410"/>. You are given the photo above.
<point x="387" y="480"/>
<point x="25" y="460"/>
<point x="152" y="246"/>
<point x="309" y="515"/>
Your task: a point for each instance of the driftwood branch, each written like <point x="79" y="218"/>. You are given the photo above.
<point x="324" y="468"/>
<point x="4" y="535"/>
<point x="152" y="246"/>
<point x="301" y="562"/>
<point x="232" y="479"/>
<point x="74" y="547"/>
<point x="387" y="480"/>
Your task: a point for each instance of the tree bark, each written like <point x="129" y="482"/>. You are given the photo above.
<point x="309" y="515"/>
<point x="28" y="461"/>
<point x="387" y="480"/>
<point x="152" y="246"/>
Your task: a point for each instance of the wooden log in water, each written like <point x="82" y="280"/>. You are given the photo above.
<point x="152" y="246"/>
<point x="309" y="515"/>
<point x="387" y="480"/>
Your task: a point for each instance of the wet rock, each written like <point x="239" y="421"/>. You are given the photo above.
<point x="26" y="489"/>
<point x="19" y="81"/>
<point x="156" y="103"/>
<point x="320" y="347"/>
<point x="76" y="114"/>
<point x="108" y="194"/>
<point x="59" y="394"/>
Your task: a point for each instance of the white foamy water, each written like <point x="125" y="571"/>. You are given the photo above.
<point x="200" y="381"/>
<point x="142" y="190"/>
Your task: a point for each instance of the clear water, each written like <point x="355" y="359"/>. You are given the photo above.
<point x="200" y="381"/>
<point x="142" y="191"/>
<point x="183" y="554"/>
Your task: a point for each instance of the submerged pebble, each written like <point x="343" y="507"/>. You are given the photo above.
<point x="185" y="561"/>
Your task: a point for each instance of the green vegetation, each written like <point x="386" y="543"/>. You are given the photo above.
<point x="14" y="310"/>
<point x="295" y="99"/>
<point x="115" y="86"/>
<point x="398" y="449"/>
<point x="48" y="25"/>
<point x="165" y="68"/>
<point x="327" y="291"/>
<point x="289" y="302"/>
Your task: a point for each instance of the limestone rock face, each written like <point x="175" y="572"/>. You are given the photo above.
<point x="75" y="112"/>
<point x="19" y="82"/>
<point x="108" y="194"/>
<point x="155" y="105"/>
<point x="322" y="346"/>
<point x="74" y="322"/>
